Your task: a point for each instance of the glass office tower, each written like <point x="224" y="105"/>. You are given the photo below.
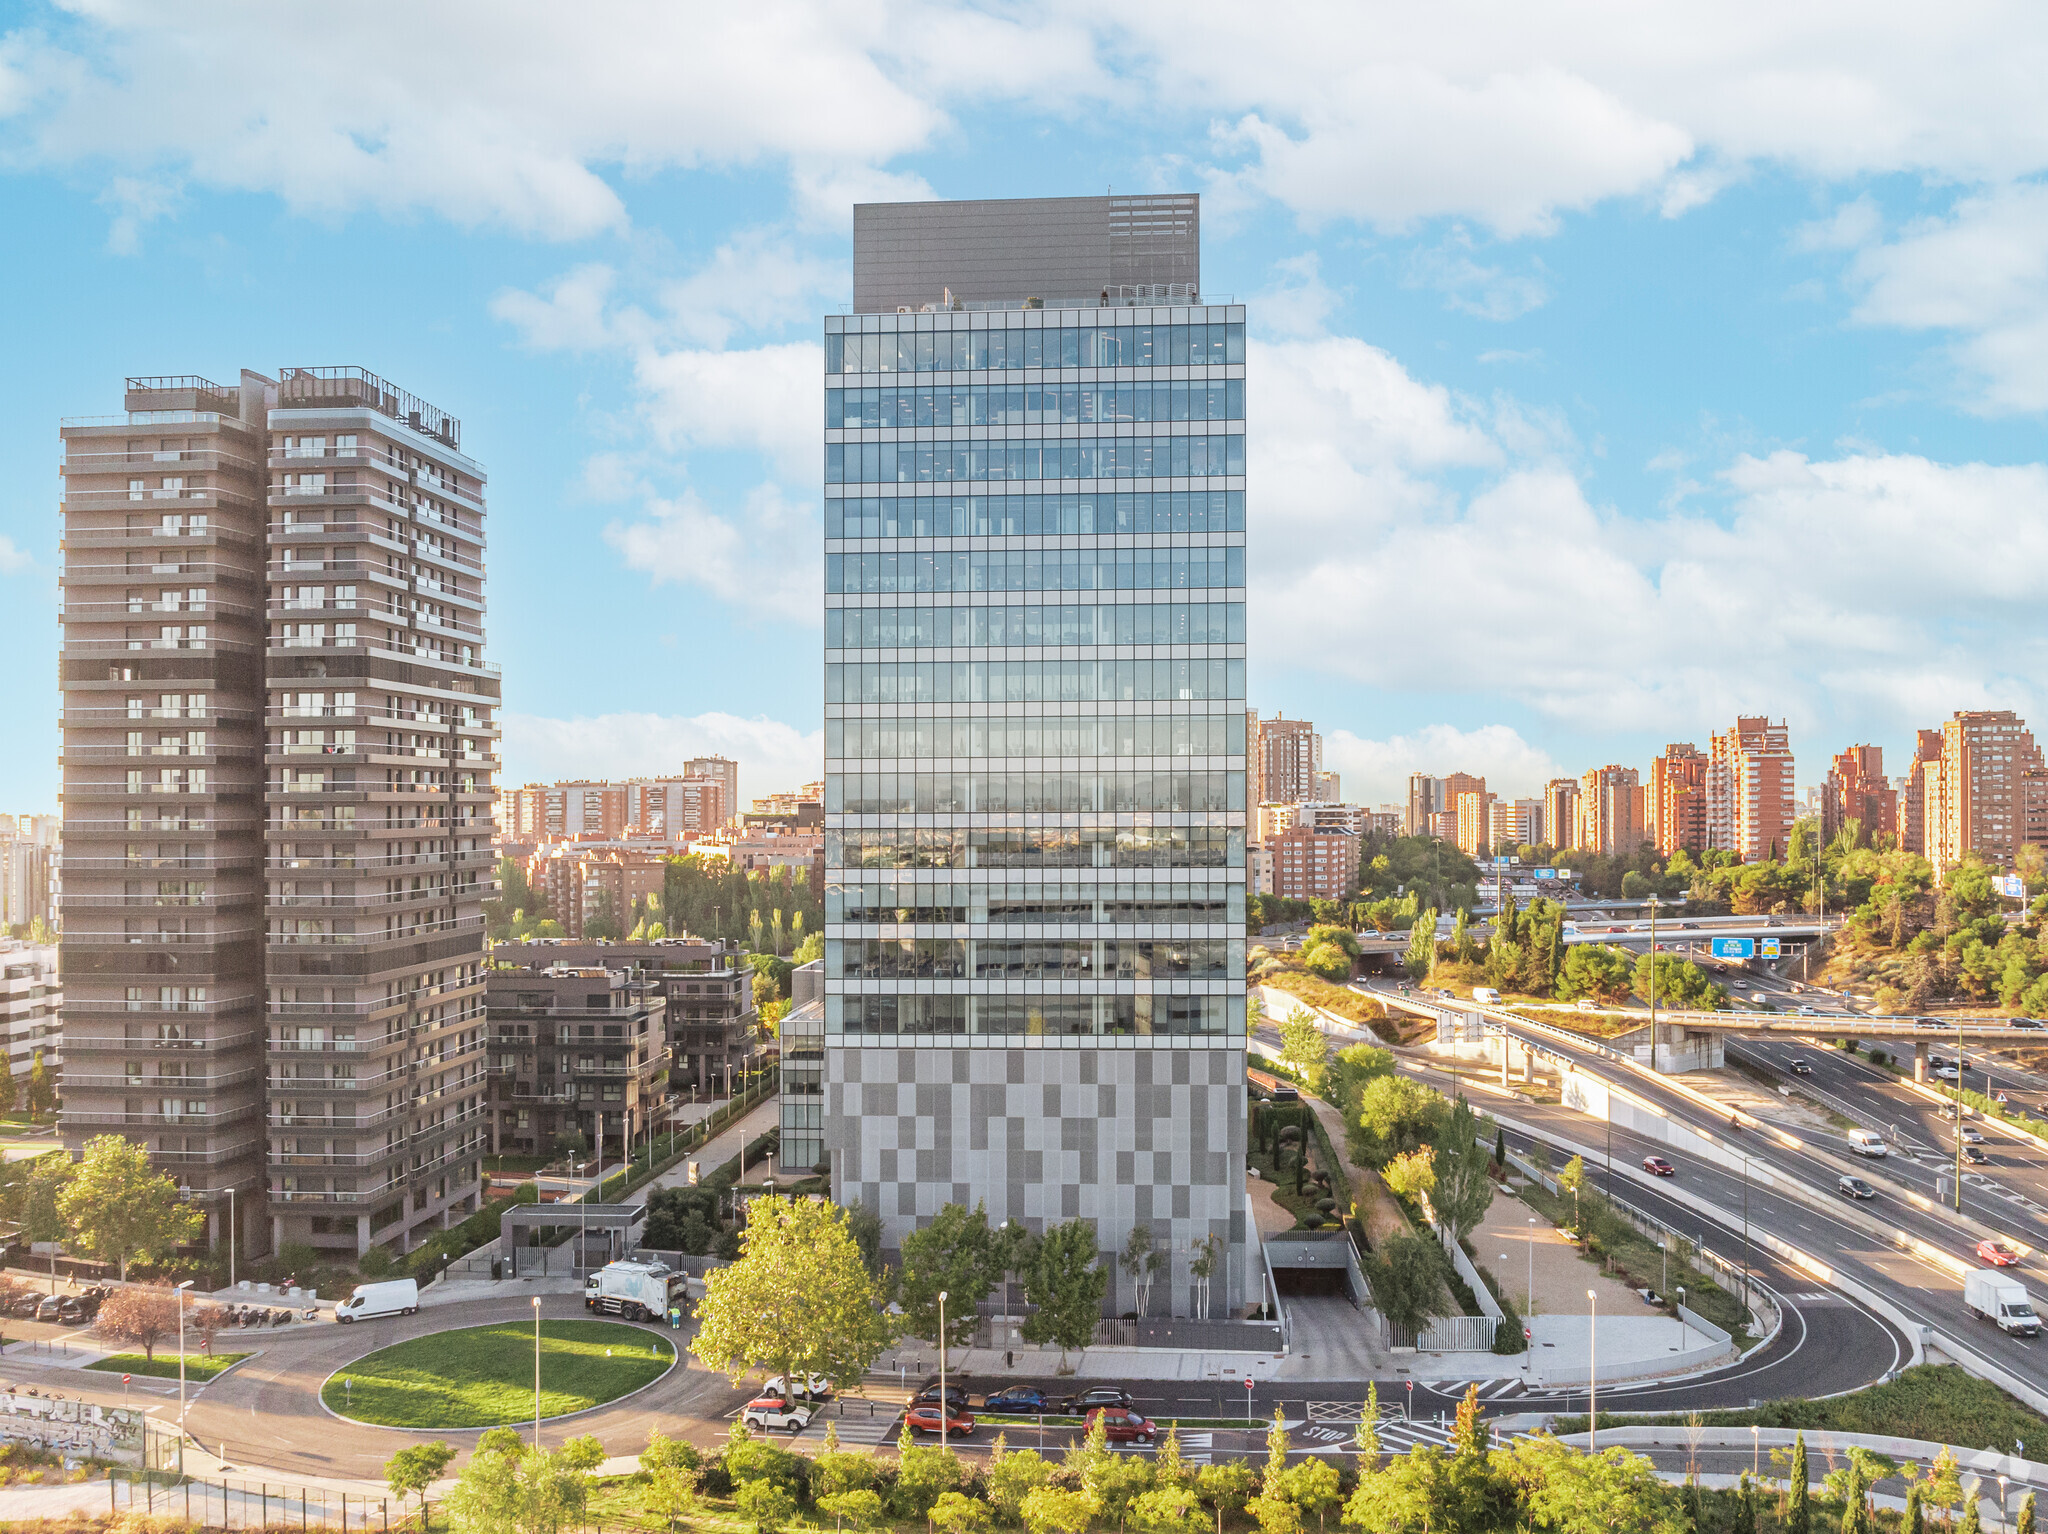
<point x="1035" y="730"/>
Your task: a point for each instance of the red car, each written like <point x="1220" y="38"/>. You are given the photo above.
<point x="1657" y="1166"/>
<point x="1997" y="1254"/>
<point x="931" y="1417"/>
<point x="1120" y="1424"/>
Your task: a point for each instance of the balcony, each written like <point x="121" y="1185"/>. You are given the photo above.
<point x="209" y="1008"/>
<point x="122" y="1081"/>
<point x="209" y="458"/>
<point x="118" y="1044"/>
<point x="358" y="389"/>
<point x="86" y="1118"/>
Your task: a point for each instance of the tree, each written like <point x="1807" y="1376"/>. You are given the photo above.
<point x="141" y="1317"/>
<point x="862" y="1509"/>
<point x="1223" y="1489"/>
<point x="119" y="1210"/>
<point x="1167" y="1509"/>
<point x="1012" y="1478"/>
<point x="2026" y="1518"/>
<point x="1208" y="1256"/>
<point x="414" y="1468"/>
<point x="1799" y="1514"/>
<point x="1312" y="1487"/>
<point x="1141" y="1263"/>
<point x="674" y="1472"/>
<point x="1305" y="1047"/>
<point x="1568" y="1492"/>
<point x="1596" y="970"/>
<point x="1463" y="1190"/>
<point x="1421" y="956"/>
<point x="1399" y="1114"/>
<point x="1062" y="1279"/>
<point x="42" y="1089"/>
<point x="865" y="1226"/>
<point x="1407" y="1282"/>
<point x="1365" y="1437"/>
<point x="924" y="1473"/>
<point x="1410" y="1174"/>
<point x="767" y="1505"/>
<point x="954" y="1255"/>
<point x="1573" y="1180"/>
<point x="1051" y="1511"/>
<point x="42" y="1219"/>
<point x="958" y="1514"/>
<point x="7" y="1091"/>
<point x="798" y="1301"/>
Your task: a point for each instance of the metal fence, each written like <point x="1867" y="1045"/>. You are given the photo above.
<point x="229" y="1504"/>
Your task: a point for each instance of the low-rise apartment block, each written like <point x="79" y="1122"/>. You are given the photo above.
<point x="1314" y="863"/>
<point x="709" y="987"/>
<point x="574" y="1050"/>
<point x="31" y="1004"/>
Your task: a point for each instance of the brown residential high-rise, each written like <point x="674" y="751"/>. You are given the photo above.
<point x="1925" y="772"/>
<point x="279" y="755"/>
<point x="1749" y="789"/>
<point x="1561" y="813"/>
<point x="1856" y="790"/>
<point x="1979" y="799"/>
<point x="1610" y="810"/>
<point x="1286" y="757"/>
<point x="1678" y="789"/>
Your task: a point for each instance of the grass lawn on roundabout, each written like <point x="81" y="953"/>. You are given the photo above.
<point x="482" y="1376"/>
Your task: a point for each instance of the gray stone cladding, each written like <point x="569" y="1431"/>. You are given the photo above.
<point x="1116" y="1136"/>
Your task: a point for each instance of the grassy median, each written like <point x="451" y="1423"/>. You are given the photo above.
<point x="482" y="1376"/>
<point x="198" y="1366"/>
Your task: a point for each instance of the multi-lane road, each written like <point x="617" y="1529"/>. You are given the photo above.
<point x="1860" y="1240"/>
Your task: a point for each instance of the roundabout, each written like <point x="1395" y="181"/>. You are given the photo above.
<point x="483" y="1376"/>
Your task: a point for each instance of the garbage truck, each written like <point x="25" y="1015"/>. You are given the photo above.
<point x="2001" y="1300"/>
<point x="639" y="1291"/>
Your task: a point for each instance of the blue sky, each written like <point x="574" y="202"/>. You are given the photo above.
<point x="1616" y="368"/>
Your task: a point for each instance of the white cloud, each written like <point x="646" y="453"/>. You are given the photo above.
<point x="768" y="399"/>
<point x="755" y="281"/>
<point x="768" y="557"/>
<point x="1852" y="225"/>
<point x="1980" y="274"/>
<point x="137" y="202"/>
<point x="1376" y="771"/>
<point x="772" y="755"/>
<point x="1482" y="291"/>
<point x="572" y="315"/>
<point x="13" y="558"/>
<point x="1299" y="302"/>
<point x="529" y="116"/>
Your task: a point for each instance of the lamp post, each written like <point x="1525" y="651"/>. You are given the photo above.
<point x="536" y="1371"/>
<point x="231" y="1236"/>
<point x="1957" y="1098"/>
<point x="2003" y="1522"/>
<point x="181" y="1288"/>
<point x="1683" y="1335"/>
<point x="945" y="1407"/>
<point x="1756" y="1454"/>
<point x="1653" y="977"/>
<point x="1530" y="1297"/>
<point x="1592" y="1372"/>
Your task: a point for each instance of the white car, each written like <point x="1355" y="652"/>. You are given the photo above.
<point x="773" y="1412"/>
<point x="1588" y="1004"/>
<point x="1972" y="1136"/>
<point x="808" y="1387"/>
<point x="1947" y="1073"/>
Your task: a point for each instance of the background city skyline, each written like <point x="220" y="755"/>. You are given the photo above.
<point x="1611" y="406"/>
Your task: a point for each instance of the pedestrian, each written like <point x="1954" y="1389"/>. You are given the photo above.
<point x="675" y="1318"/>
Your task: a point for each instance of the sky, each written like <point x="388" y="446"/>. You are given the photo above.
<point x="1615" y="368"/>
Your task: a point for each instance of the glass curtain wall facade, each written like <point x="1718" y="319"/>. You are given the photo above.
<point x="1035" y="774"/>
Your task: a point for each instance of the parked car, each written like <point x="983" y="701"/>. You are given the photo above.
<point x="930" y="1418"/>
<point x="49" y="1307"/>
<point x="805" y="1387"/>
<point x="1996" y="1254"/>
<point x="1854" y="1187"/>
<point x="1099" y="1395"/>
<point x="1122" y="1425"/>
<point x="75" y="1310"/>
<point x="1801" y="1067"/>
<point x="1025" y="1399"/>
<point x="768" y="1412"/>
<point x="23" y="1305"/>
<point x="1657" y="1166"/>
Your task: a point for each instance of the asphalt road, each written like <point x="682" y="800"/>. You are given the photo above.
<point x="1923" y="1291"/>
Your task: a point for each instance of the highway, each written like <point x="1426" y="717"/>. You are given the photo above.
<point x="1853" y="1237"/>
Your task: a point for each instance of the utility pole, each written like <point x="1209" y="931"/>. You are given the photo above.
<point x="1957" y="1098"/>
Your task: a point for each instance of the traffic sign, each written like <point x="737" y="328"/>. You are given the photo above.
<point x="1772" y="948"/>
<point x="2012" y="886"/>
<point x="126" y="1378"/>
<point x="1247" y="1382"/>
<point x="1527" y="1335"/>
<point x="1734" y="948"/>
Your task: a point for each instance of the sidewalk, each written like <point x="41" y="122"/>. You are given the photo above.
<point x="1094" y="1363"/>
<point x="721" y="1148"/>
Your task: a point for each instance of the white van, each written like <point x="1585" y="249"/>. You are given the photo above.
<point x="1868" y="1142"/>
<point x="399" y="1297"/>
<point x="1486" y="995"/>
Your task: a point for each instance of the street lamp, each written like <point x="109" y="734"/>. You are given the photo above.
<point x="945" y="1410"/>
<point x="1592" y="1372"/>
<point x="1530" y="1297"/>
<point x="1683" y="1335"/>
<point x="2002" y="1522"/>
<point x="181" y="1288"/>
<point x="231" y="1236"/>
<point x="1756" y="1454"/>
<point x="536" y="1371"/>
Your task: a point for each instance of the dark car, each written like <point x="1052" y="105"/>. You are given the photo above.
<point x="49" y="1307"/>
<point x="23" y="1306"/>
<point x="1657" y="1166"/>
<point x="1801" y="1068"/>
<point x="75" y="1310"/>
<point x="1122" y="1425"/>
<point x="1026" y="1399"/>
<point x="1974" y="1157"/>
<point x="1099" y="1395"/>
<point x="954" y="1397"/>
<point x="927" y="1418"/>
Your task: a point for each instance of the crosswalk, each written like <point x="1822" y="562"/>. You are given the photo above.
<point x="1489" y="1390"/>
<point x="860" y="1430"/>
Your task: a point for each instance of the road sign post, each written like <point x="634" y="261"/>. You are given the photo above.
<point x="1247" y="1398"/>
<point x="1408" y="1406"/>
